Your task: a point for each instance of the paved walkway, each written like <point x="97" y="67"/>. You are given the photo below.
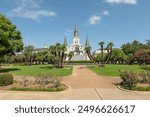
<point x="84" y="85"/>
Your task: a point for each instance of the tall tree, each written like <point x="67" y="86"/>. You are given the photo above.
<point x="40" y="57"/>
<point x="29" y="54"/>
<point x="131" y="48"/>
<point x="118" y="56"/>
<point x="102" y="50"/>
<point x="109" y="50"/>
<point x="141" y="56"/>
<point x="56" y="54"/>
<point x="10" y="37"/>
<point x="88" y="51"/>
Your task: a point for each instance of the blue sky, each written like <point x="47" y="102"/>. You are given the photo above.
<point x="48" y="21"/>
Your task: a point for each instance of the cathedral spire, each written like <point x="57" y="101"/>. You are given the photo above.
<point x="87" y="44"/>
<point x="76" y="33"/>
<point x="65" y="41"/>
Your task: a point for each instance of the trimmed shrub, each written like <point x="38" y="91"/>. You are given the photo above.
<point x="6" y="79"/>
<point x="144" y="77"/>
<point x="148" y="76"/>
<point x="79" y="62"/>
<point x="46" y="79"/>
<point x="129" y="79"/>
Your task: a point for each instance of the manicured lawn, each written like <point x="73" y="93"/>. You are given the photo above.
<point x="113" y="70"/>
<point x="35" y="70"/>
<point x="139" y="88"/>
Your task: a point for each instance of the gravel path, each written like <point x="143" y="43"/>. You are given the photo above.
<point x="84" y="78"/>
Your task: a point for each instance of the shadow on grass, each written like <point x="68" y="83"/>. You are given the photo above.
<point x="5" y="70"/>
<point x="145" y="68"/>
<point x="47" y="67"/>
<point x="52" y="67"/>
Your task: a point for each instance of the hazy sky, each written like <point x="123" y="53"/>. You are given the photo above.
<point x="48" y="21"/>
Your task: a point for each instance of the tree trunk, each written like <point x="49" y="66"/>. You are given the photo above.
<point x="107" y="60"/>
<point x="62" y="56"/>
<point x="0" y="64"/>
<point x="92" y="59"/>
<point x="102" y="54"/>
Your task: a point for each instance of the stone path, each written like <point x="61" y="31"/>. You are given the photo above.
<point x="84" y="78"/>
<point x="84" y="85"/>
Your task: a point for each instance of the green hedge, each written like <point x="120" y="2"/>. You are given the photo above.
<point x="79" y="62"/>
<point x="6" y="79"/>
<point x="37" y="89"/>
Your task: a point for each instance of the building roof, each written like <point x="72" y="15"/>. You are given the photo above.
<point x="40" y="49"/>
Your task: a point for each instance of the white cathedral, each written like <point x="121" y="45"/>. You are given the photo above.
<point x="76" y="47"/>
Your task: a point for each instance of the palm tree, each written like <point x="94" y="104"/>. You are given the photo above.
<point x="111" y="45"/>
<point x="57" y="54"/>
<point x="70" y="55"/>
<point x="109" y="50"/>
<point x="63" y="56"/>
<point x="88" y="51"/>
<point x="102" y="50"/>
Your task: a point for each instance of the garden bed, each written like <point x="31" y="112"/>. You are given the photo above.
<point x="41" y="83"/>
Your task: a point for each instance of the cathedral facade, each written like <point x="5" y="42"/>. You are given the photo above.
<point x="76" y="47"/>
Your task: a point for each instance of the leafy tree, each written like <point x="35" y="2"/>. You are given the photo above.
<point x="10" y="37"/>
<point x="131" y="48"/>
<point x="141" y="56"/>
<point x="118" y="56"/>
<point x="148" y="44"/>
<point x="19" y="58"/>
<point x="29" y="54"/>
<point x="40" y="57"/>
<point x="99" y="57"/>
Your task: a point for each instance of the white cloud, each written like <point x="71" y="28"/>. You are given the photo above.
<point x="105" y="12"/>
<point x="122" y="1"/>
<point x="31" y="9"/>
<point x="30" y="3"/>
<point x="94" y="19"/>
<point x="68" y="32"/>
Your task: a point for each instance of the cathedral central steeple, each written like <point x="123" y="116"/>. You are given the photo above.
<point x="76" y="39"/>
<point x="76" y="33"/>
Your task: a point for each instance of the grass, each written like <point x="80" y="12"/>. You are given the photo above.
<point x="141" y="88"/>
<point x="137" y="88"/>
<point x="37" y="89"/>
<point x="113" y="70"/>
<point x="35" y="70"/>
<point x="146" y="68"/>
